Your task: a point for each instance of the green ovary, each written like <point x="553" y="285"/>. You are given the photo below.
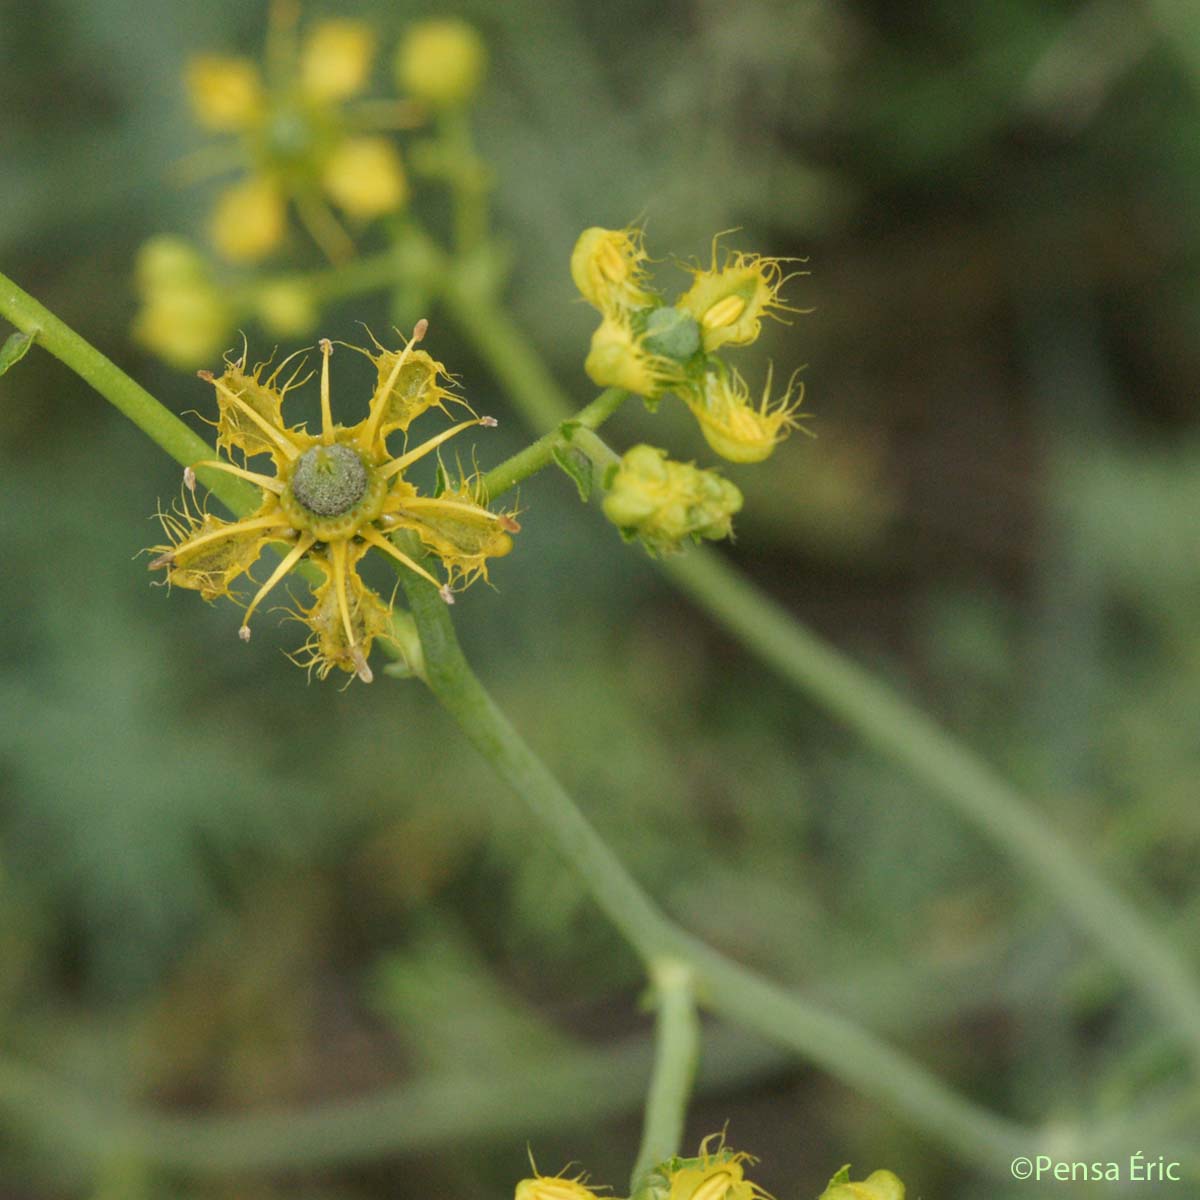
<point x="332" y="492"/>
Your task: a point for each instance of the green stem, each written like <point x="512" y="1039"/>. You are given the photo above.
<point x="847" y="1052"/>
<point x="540" y="454"/>
<point x="156" y="421"/>
<point x="900" y="730"/>
<point x="676" y="1056"/>
<point x="890" y="723"/>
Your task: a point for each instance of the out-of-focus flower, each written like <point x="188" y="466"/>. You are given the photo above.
<point x="332" y="498"/>
<point x="184" y="316"/>
<point x="298" y="137"/>
<point x="441" y="62"/>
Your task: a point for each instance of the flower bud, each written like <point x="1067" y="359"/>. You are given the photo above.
<point x="879" y="1185"/>
<point x="364" y="176"/>
<point x="249" y="220"/>
<point x="184" y="317"/>
<point x="441" y="62"/>
<point x="664" y="502"/>
<point x="286" y="308"/>
<point x="226" y="94"/>
<point x="336" y="59"/>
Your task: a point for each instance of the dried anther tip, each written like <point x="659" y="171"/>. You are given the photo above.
<point x="488" y="422"/>
<point x="207" y="376"/>
<point x="189" y="479"/>
<point x="326" y="346"/>
<point x="420" y="329"/>
<point x="163" y="560"/>
<point x="446" y="594"/>
<point x="360" y="665"/>
<point x="244" y="633"/>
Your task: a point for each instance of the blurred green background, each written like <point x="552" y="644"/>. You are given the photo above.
<point x="224" y="891"/>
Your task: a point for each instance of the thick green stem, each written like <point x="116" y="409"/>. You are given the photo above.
<point x="892" y="724"/>
<point x="849" y="1053"/>
<point x="158" y="423"/>
<point x="676" y="1056"/>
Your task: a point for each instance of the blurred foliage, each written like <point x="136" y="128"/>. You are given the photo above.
<point x="224" y="890"/>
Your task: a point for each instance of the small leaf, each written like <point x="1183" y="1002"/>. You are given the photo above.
<point x="14" y="349"/>
<point x="578" y="466"/>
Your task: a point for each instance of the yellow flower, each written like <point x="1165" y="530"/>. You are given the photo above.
<point x="332" y="497"/>
<point x="298" y="138"/>
<point x="731" y="424"/>
<point x="441" y="62"/>
<point x="606" y="266"/>
<point x="553" y="1187"/>
<point x="714" y="1175"/>
<point x="184" y="317"/>
<point x="731" y="301"/>
<point x="226" y="93"/>
<point x="336" y="59"/>
<point x="365" y="177"/>
<point x="620" y="358"/>
<point x="249" y="220"/>
<point x="879" y="1185"/>
<point x="663" y="502"/>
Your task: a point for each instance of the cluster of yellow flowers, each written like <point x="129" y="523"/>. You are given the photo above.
<point x="646" y="346"/>
<point x="650" y="348"/>
<point x="333" y="497"/>
<point x="301" y="137"/>
<point x="714" y="1174"/>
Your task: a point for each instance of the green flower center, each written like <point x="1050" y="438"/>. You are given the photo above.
<point x="329" y="480"/>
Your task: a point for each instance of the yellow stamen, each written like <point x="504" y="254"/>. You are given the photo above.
<point x="388" y="547"/>
<point x="405" y="460"/>
<point x="215" y="464"/>
<point x="379" y="400"/>
<point x="280" y="438"/>
<point x="272" y="522"/>
<point x="326" y="412"/>
<point x="297" y="552"/>
<point x="724" y="312"/>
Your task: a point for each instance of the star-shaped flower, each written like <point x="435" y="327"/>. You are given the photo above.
<point x="332" y="498"/>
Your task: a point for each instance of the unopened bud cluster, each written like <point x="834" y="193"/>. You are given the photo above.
<point x="665" y="503"/>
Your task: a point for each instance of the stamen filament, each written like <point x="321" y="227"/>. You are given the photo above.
<point x="398" y="464"/>
<point x="379" y="400"/>
<point x="296" y="553"/>
<point x="275" y="521"/>
<point x="455" y="506"/>
<point x="337" y="556"/>
<point x="280" y="438"/>
<point x="326" y="413"/>
<point x="388" y="547"/>
<point x="263" y="481"/>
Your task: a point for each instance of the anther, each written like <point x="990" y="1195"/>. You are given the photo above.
<point x="360" y="665"/>
<point x="244" y="633"/>
<point x="419" y="330"/>
<point x="189" y="479"/>
<point x="326" y="346"/>
<point x="163" y="560"/>
<point x="446" y="594"/>
<point x="207" y="376"/>
<point x="488" y="422"/>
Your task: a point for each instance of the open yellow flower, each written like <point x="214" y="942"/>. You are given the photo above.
<point x="298" y="137"/>
<point x="332" y="498"/>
